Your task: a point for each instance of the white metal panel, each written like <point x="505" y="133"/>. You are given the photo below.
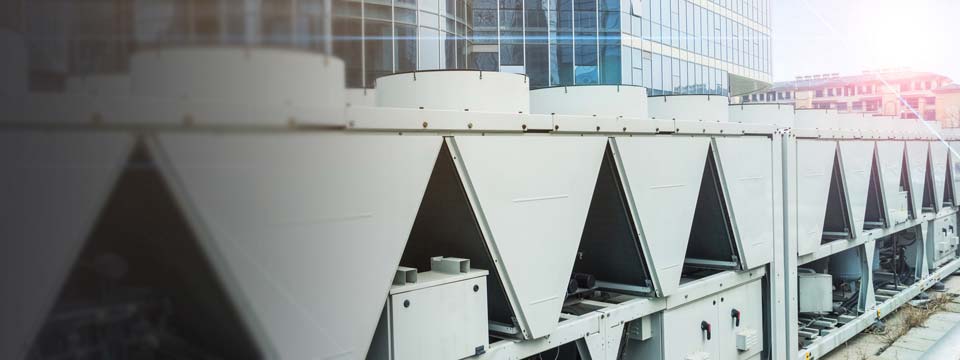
<point x="603" y="100"/>
<point x="662" y="176"/>
<point x="890" y="156"/>
<point x="708" y="108"/>
<point x="531" y="195"/>
<point x="305" y="230"/>
<point x="747" y="299"/>
<point x="53" y="188"/>
<point x="917" y="152"/>
<point x="446" y="321"/>
<point x="682" y="334"/>
<point x="745" y="165"/>
<point x="779" y="115"/>
<point x="815" y="160"/>
<point x="856" y="158"/>
<point x="459" y="90"/>
<point x="938" y="156"/>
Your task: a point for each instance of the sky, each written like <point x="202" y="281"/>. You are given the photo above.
<point x="850" y="36"/>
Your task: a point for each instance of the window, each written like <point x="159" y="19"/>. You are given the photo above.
<point x="657" y="74"/>
<point x="913" y="102"/>
<point x="819" y="93"/>
<point x="429" y="47"/>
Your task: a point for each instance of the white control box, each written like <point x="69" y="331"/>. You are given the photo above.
<point x="442" y="316"/>
<point x="747" y="339"/>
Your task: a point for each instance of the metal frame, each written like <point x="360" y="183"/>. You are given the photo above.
<point x="591" y="329"/>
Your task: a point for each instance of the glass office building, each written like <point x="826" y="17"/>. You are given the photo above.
<point x="381" y="37"/>
<point x="668" y="46"/>
<point x="373" y="37"/>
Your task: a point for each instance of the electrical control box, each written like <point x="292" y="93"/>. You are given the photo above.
<point x="942" y="241"/>
<point x="439" y="314"/>
<point x="726" y="325"/>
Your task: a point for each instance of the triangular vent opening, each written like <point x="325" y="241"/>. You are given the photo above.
<point x="610" y="256"/>
<point x="447" y="226"/>
<point x="948" y="186"/>
<point x="711" y="244"/>
<point x="905" y="186"/>
<point x="142" y="286"/>
<point x="929" y="197"/>
<point x="875" y="216"/>
<point x="836" y="221"/>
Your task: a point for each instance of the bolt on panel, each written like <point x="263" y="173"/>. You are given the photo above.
<point x="856" y="158"/>
<point x="815" y="160"/>
<point x="746" y="168"/>
<point x="663" y="175"/>
<point x="531" y="196"/>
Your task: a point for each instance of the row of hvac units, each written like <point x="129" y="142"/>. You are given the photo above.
<point x="215" y="205"/>
<point x="885" y="232"/>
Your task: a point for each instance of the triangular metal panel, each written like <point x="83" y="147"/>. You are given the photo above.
<point x="856" y="158"/>
<point x="955" y="169"/>
<point x="662" y="176"/>
<point x="294" y="222"/>
<point x="924" y="238"/>
<point x="917" y="152"/>
<point x="746" y="170"/>
<point x="870" y="301"/>
<point x="815" y="160"/>
<point x="53" y="189"/>
<point x="890" y="155"/>
<point x="938" y="156"/>
<point x="531" y="195"/>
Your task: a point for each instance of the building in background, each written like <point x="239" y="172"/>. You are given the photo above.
<point x="873" y="92"/>
<point x="669" y="46"/>
<point x="948" y="105"/>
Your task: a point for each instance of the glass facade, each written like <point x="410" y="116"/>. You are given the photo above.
<point x="668" y="46"/>
<point x="381" y="37"/>
<point x="373" y="37"/>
